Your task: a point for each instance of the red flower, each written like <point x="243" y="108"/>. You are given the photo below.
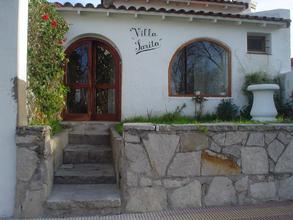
<point x="45" y="17"/>
<point x="61" y="42"/>
<point x="54" y="24"/>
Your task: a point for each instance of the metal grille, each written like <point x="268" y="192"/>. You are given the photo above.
<point x="275" y="211"/>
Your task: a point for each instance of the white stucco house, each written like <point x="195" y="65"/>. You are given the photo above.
<point x="128" y="58"/>
<point x="131" y="57"/>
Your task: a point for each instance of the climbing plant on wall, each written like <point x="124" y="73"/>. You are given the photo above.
<point x="46" y="60"/>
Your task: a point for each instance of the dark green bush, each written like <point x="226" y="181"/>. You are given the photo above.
<point x="227" y="110"/>
<point x="46" y="58"/>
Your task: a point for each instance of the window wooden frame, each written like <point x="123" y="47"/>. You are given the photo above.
<point x="229" y="69"/>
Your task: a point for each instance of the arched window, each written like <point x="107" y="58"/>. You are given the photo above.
<point x="201" y="67"/>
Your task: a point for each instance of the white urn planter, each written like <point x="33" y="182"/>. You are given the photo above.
<point x="263" y="108"/>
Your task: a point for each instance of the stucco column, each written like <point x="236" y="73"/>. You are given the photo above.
<point x="13" y="41"/>
<point x="22" y="119"/>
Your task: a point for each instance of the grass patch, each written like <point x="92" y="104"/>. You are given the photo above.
<point x="56" y="127"/>
<point x="170" y="118"/>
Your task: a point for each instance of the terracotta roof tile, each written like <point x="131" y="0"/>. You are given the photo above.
<point x="174" y="11"/>
<point x="224" y="2"/>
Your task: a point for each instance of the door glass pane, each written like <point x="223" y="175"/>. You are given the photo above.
<point x="77" y="101"/>
<point x="105" y="66"/>
<point x="105" y="103"/>
<point x="78" y="65"/>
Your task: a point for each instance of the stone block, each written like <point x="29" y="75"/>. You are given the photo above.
<point x="256" y="139"/>
<point x="272" y="166"/>
<point x="157" y="183"/>
<point x="215" y="147"/>
<point x="234" y="151"/>
<point x="146" y="199"/>
<point x="235" y="138"/>
<point x="175" y="183"/>
<point x="161" y="149"/>
<point x="285" y="162"/>
<point x="26" y="140"/>
<point x="286" y="189"/>
<point x="137" y="158"/>
<point x="32" y="206"/>
<point x="185" y="164"/>
<point x="131" y="138"/>
<point x="219" y="138"/>
<point x="254" y="160"/>
<point x="144" y="181"/>
<point x="221" y="192"/>
<point x="131" y="179"/>
<point x="194" y="142"/>
<point x="217" y="164"/>
<point x="188" y="196"/>
<point x="269" y="137"/>
<point x="243" y="198"/>
<point x="285" y="138"/>
<point x="264" y="191"/>
<point x="275" y="149"/>
<point x="242" y="184"/>
<point x="26" y="164"/>
<point x="139" y="126"/>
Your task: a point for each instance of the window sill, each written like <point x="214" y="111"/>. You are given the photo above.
<point x="207" y="96"/>
<point x="258" y="53"/>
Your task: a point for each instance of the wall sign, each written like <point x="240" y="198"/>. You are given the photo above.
<point x="145" y="39"/>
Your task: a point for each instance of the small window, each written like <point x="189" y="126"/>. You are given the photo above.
<point x="201" y="67"/>
<point x="258" y="43"/>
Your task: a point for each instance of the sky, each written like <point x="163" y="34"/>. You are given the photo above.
<point x="261" y="6"/>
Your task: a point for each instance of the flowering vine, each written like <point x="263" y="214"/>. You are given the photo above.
<point x="46" y="60"/>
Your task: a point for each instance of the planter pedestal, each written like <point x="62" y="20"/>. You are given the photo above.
<point x="263" y="108"/>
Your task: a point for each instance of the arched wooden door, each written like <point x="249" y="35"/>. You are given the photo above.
<point x="93" y="77"/>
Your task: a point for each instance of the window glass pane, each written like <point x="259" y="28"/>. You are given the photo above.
<point x="201" y="66"/>
<point x="105" y="66"/>
<point x="105" y="102"/>
<point x="178" y="74"/>
<point x="78" y="65"/>
<point x="256" y="43"/>
<point x="77" y="101"/>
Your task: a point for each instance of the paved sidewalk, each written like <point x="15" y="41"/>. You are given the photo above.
<point x="271" y="211"/>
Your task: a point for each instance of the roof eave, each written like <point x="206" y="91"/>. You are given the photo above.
<point x="215" y="18"/>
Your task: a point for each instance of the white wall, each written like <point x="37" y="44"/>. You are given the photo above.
<point x="10" y="65"/>
<point x="145" y="76"/>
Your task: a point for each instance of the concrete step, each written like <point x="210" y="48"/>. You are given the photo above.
<point x="85" y="174"/>
<point x="78" y="154"/>
<point x="88" y="138"/>
<point x="83" y="200"/>
<point x="89" y="127"/>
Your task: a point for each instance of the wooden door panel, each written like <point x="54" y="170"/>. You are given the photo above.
<point x="106" y="78"/>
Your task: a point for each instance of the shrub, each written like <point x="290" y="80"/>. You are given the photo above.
<point x="227" y="110"/>
<point x="46" y="58"/>
<point x="287" y="110"/>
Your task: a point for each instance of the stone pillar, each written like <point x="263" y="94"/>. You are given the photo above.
<point x="13" y="22"/>
<point x="34" y="170"/>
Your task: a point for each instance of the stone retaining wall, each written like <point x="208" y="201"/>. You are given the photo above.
<point x="117" y="144"/>
<point x="37" y="157"/>
<point x="206" y="165"/>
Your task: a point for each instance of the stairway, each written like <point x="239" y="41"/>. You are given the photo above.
<point x="85" y="184"/>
